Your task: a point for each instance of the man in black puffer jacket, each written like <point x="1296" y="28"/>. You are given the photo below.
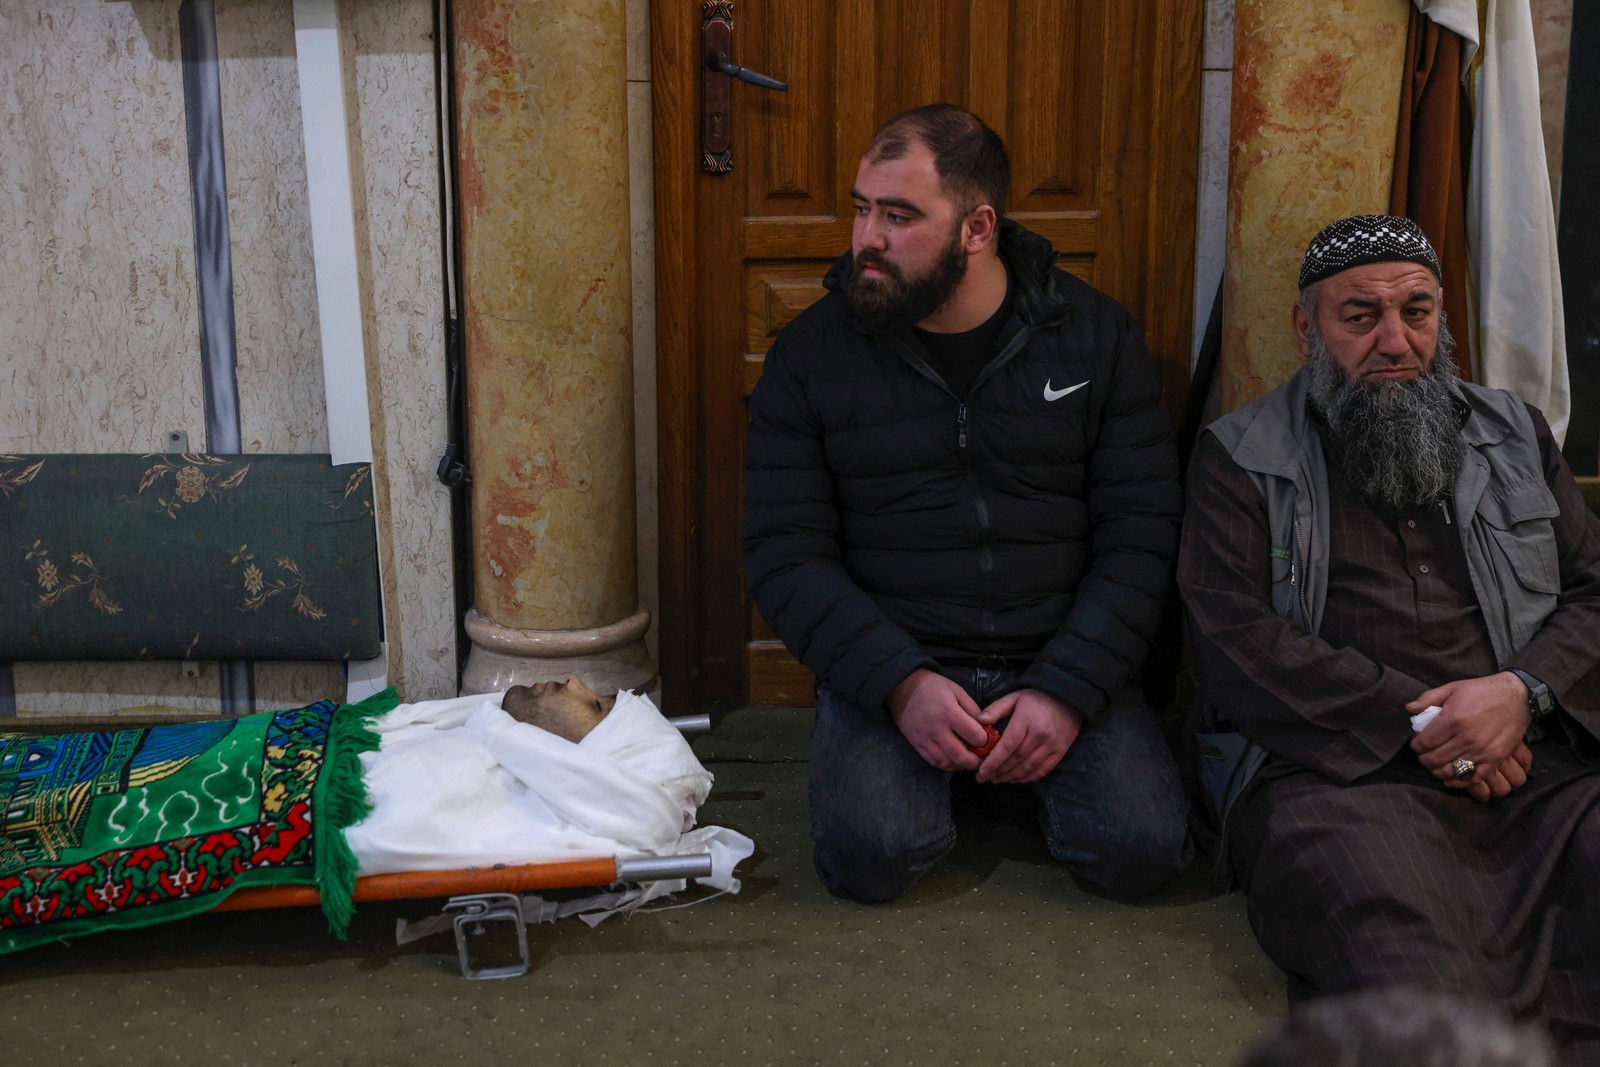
<point x="961" y="512"/>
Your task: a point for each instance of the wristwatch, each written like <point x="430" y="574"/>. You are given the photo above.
<point x="1541" y="702"/>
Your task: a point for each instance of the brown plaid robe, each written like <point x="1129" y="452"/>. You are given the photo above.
<point x="1362" y="869"/>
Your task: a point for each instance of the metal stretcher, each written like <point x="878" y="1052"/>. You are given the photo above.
<point x="478" y="896"/>
<point x="95" y="484"/>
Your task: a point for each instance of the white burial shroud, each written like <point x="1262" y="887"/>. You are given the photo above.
<point x="460" y="783"/>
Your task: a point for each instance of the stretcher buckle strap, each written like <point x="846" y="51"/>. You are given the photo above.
<point x="472" y="914"/>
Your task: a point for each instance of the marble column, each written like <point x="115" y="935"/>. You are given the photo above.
<point x="541" y="142"/>
<point x="1316" y="92"/>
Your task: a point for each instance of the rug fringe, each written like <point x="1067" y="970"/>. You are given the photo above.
<point x="342" y="802"/>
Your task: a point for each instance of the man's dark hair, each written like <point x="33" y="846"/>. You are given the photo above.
<point x="968" y="156"/>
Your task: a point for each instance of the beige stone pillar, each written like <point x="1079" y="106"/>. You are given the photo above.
<point x="543" y="154"/>
<point x="1316" y="97"/>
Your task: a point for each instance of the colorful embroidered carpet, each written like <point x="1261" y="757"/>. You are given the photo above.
<point x="127" y="828"/>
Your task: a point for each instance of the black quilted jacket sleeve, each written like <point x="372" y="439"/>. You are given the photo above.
<point x="792" y="553"/>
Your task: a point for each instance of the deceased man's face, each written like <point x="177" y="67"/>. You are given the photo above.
<point x="567" y="709"/>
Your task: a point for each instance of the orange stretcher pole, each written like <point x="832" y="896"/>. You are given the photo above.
<point x="570" y="874"/>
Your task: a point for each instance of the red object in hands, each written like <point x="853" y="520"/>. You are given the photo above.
<point x="991" y="737"/>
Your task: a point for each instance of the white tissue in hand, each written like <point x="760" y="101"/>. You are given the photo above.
<point x="1421" y="719"/>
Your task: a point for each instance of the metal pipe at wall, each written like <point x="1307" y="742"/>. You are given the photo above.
<point x="208" y="194"/>
<point x="452" y="470"/>
<point x="213" y="255"/>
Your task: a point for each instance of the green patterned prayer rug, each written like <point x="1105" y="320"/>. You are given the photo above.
<point x="126" y="828"/>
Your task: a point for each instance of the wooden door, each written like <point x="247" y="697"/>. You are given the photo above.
<point x="1098" y="103"/>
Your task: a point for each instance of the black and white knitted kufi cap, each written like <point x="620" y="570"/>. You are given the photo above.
<point x="1363" y="239"/>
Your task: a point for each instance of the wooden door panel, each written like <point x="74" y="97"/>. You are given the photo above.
<point x="787" y="138"/>
<point x="1098" y="103"/>
<point x="919" y="55"/>
<point x="808" y="238"/>
<point x="775" y="292"/>
<point x="1051" y="119"/>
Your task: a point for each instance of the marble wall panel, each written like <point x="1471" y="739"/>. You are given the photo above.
<point x="1217" y="48"/>
<point x="104" y="688"/>
<point x="1552" y="38"/>
<point x="641" y="207"/>
<point x="1211" y="199"/>
<point x="393" y="123"/>
<point x="636" y="19"/>
<point x="99" y="347"/>
<point x="280" y="684"/>
<point x="1313" y="126"/>
<point x="281" y="406"/>
<point x="1211" y="203"/>
<point x="98" y="339"/>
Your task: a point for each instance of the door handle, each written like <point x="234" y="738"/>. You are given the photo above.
<point x="716" y="86"/>
<point x="720" y="61"/>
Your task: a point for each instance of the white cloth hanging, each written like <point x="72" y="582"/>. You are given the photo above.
<point x="1511" y="223"/>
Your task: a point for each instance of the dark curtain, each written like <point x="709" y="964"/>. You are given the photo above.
<point x="1580" y="257"/>
<point x="1431" y="146"/>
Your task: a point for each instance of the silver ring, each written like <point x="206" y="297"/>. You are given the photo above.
<point x="1464" y="768"/>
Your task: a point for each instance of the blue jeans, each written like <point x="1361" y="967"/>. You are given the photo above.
<point x="1112" y="810"/>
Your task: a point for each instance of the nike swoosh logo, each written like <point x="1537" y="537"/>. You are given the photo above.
<point x="1057" y="394"/>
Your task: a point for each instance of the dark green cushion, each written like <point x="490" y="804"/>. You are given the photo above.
<point x="187" y="557"/>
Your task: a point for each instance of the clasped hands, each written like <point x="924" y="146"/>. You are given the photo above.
<point x="1484" y="720"/>
<point x="944" y="725"/>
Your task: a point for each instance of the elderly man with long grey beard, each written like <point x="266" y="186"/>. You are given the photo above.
<point x="1393" y="588"/>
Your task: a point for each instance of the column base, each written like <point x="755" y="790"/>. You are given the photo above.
<point x="607" y="658"/>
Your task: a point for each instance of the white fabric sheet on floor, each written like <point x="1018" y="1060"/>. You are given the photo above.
<point x="460" y="783"/>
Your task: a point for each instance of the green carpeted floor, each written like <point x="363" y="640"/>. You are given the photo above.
<point x="999" y="958"/>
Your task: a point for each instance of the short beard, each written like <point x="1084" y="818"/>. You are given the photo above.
<point x="1398" y="444"/>
<point x="891" y="303"/>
